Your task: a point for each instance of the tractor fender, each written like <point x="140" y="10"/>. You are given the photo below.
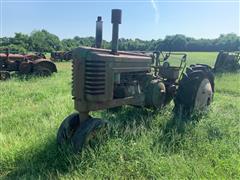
<point x="44" y="63"/>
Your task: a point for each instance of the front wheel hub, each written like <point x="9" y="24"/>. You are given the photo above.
<point x="204" y="95"/>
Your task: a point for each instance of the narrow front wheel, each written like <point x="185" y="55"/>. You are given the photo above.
<point x="67" y="128"/>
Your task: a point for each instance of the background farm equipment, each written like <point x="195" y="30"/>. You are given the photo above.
<point x="61" y="55"/>
<point x="35" y="56"/>
<point x="227" y="62"/>
<point x="25" y="64"/>
<point x="104" y="79"/>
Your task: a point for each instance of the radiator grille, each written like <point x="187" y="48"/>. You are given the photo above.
<point x="95" y="77"/>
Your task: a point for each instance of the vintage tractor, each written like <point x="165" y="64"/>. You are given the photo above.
<point x="61" y="55"/>
<point x="104" y="79"/>
<point x="25" y="64"/>
<point x="35" y="56"/>
<point x="227" y="62"/>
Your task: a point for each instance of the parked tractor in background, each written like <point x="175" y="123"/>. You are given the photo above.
<point x="104" y="79"/>
<point x="35" y="56"/>
<point x="25" y="64"/>
<point x="61" y="55"/>
<point x="227" y="62"/>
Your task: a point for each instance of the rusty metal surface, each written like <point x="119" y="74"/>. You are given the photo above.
<point x="26" y="64"/>
<point x="44" y="63"/>
<point x="109" y="78"/>
<point x="104" y="79"/>
<point x="12" y="56"/>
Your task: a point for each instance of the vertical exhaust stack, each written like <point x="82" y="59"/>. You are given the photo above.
<point x="116" y="20"/>
<point x="99" y="29"/>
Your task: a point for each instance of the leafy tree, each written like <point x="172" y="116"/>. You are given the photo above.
<point x="68" y="44"/>
<point x="43" y="41"/>
<point x="21" y="40"/>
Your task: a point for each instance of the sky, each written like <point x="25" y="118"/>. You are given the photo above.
<point x="144" y="19"/>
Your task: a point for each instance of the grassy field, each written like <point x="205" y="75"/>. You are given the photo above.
<point x="141" y="143"/>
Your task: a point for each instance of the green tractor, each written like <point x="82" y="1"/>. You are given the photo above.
<point x="105" y="79"/>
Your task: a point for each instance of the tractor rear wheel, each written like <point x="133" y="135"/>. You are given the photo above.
<point x="195" y="91"/>
<point x="4" y="75"/>
<point x="25" y="68"/>
<point x="41" y="71"/>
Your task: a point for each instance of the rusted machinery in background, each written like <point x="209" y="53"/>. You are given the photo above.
<point x="25" y="64"/>
<point x="61" y="55"/>
<point x="104" y="79"/>
<point x="227" y="62"/>
<point x="35" y="56"/>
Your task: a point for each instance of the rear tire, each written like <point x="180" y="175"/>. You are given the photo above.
<point x="4" y="75"/>
<point x="207" y="71"/>
<point x="195" y="91"/>
<point x="25" y="68"/>
<point x="43" y="72"/>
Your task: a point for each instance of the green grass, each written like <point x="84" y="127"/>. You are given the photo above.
<point x="141" y="143"/>
<point x="202" y="57"/>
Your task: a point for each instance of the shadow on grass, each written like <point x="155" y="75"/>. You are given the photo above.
<point x="129" y="121"/>
<point x="128" y="115"/>
<point x="49" y="161"/>
<point x="41" y="162"/>
<point x="173" y="131"/>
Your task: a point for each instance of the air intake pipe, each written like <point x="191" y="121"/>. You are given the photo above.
<point x="116" y="20"/>
<point x="99" y="29"/>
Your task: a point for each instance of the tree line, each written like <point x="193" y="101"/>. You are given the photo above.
<point x="43" y="41"/>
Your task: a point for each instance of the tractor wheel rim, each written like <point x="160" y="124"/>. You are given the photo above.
<point x="203" y="96"/>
